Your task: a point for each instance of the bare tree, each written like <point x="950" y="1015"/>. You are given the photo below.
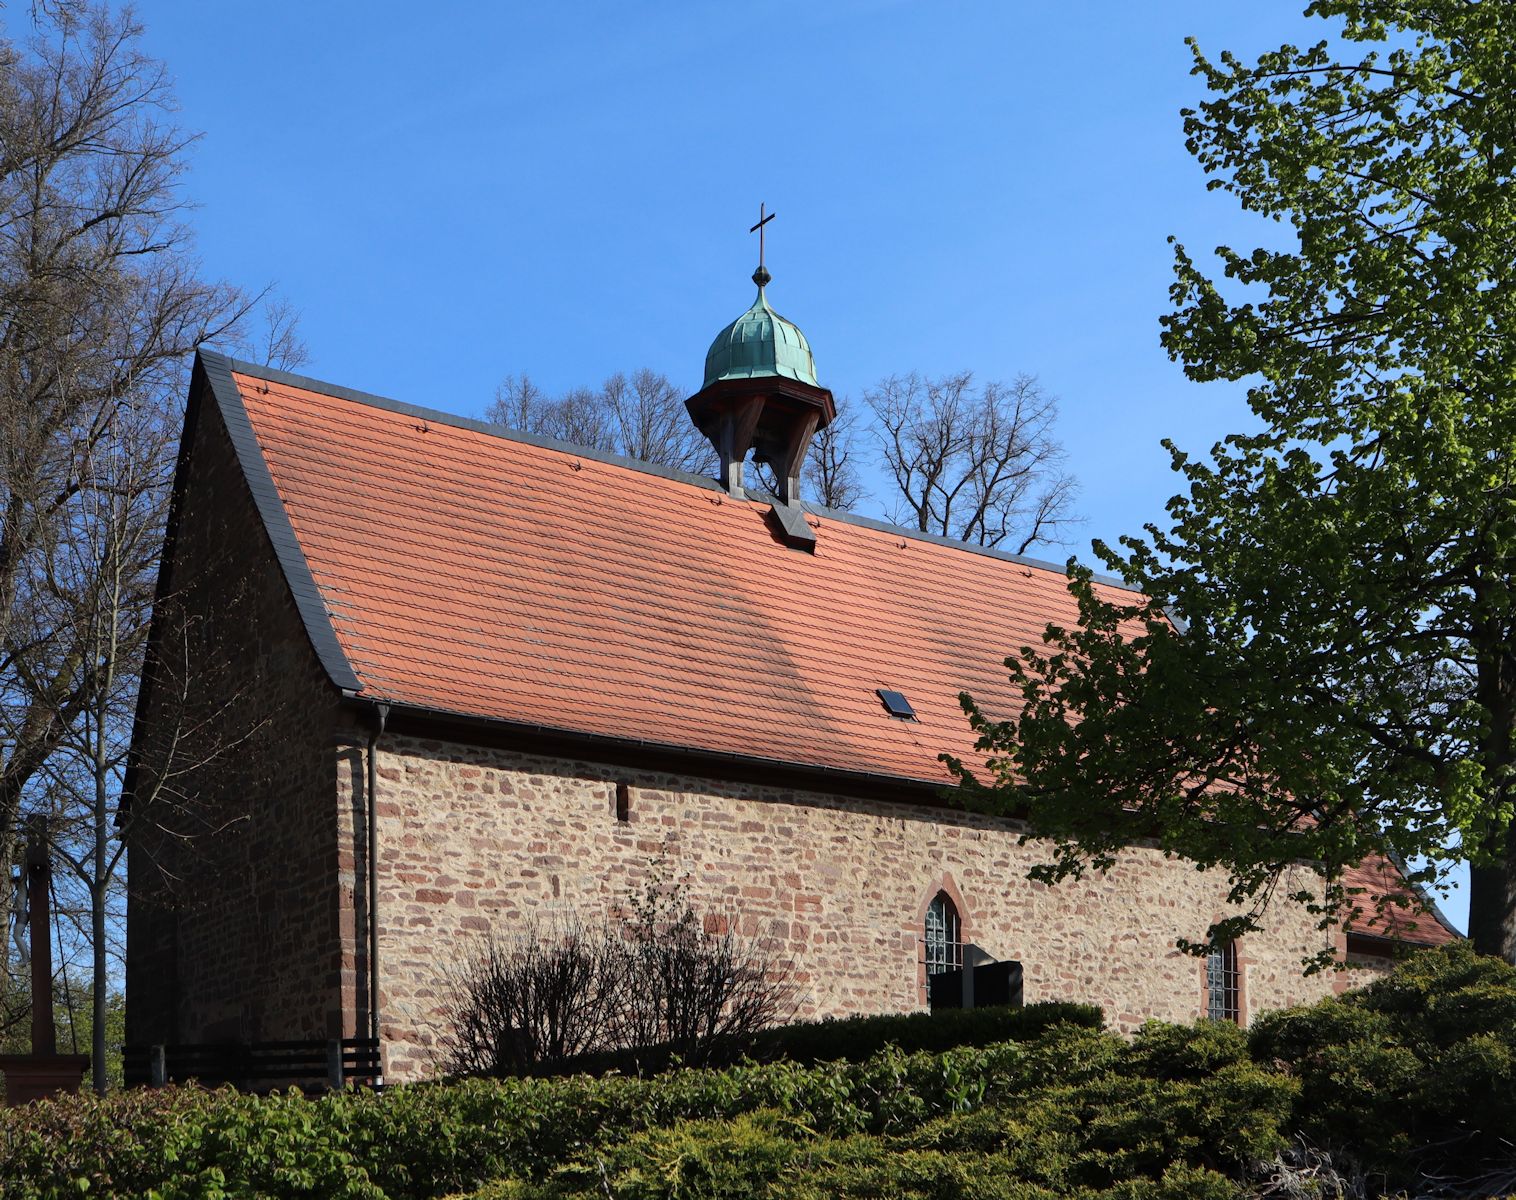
<point x="98" y="600"/>
<point x="831" y="475"/>
<point x="519" y="404"/>
<point x="541" y="997"/>
<point x="980" y="464"/>
<point x="274" y="339"/>
<point x="976" y="464"/>
<point x="577" y="416"/>
<point x="641" y="416"/>
<point x="701" y="987"/>
<point x="100" y="308"/>
<point x="650" y="422"/>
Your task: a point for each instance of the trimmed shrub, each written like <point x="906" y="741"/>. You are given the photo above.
<point x="432" y="1140"/>
<point x="1414" y="1073"/>
<point x="768" y="1155"/>
<point x="856" y="1038"/>
<point x="178" y="1143"/>
<point x="849" y="1039"/>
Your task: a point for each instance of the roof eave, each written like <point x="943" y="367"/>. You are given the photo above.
<point x="553" y="741"/>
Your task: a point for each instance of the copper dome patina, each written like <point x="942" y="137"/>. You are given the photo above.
<point x="761" y="398"/>
<point x="760" y="343"/>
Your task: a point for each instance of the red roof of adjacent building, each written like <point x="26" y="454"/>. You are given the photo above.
<point x="1399" y="919"/>
<point x="464" y="569"/>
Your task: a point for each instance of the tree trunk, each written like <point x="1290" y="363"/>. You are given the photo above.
<point x="1492" y="902"/>
<point x="98" y="893"/>
<point x="98" y="991"/>
<point x="1492" y="888"/>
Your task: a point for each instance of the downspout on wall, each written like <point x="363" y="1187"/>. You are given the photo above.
<point x="382" y="713"/>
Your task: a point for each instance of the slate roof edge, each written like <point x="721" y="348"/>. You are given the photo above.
<point x="290" y="379"/>
<point x="217" y="370"/>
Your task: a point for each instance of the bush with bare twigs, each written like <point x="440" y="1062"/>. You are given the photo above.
<point x="655" y="981"/>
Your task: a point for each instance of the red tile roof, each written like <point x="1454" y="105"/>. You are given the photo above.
<point x="470" y="571"/>
<point x="1376" y="877"/>
<point x="476" y="573"/>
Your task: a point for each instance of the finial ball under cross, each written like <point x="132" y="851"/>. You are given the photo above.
<point x="761" y="276"/>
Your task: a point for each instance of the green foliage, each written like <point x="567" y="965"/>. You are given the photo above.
<point x="1424" y="1057"/>
<point x="177" y="1144"/>
<point x="1072" y="1109"/>
<point x="1344" y="679"/>
<point x="856" y="1038"/>
<point x="1077" y="1118"/>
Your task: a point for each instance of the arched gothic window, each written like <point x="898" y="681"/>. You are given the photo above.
<point x="1223" y="984"/>
<point x="944" y="936"/>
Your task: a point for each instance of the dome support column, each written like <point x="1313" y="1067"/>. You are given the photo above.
<point x="774" y="419"/>
<point x="787" y="455"/>
<point x="734" y="438"/>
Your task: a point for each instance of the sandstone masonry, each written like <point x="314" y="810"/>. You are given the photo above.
<point x="473" y="841"/>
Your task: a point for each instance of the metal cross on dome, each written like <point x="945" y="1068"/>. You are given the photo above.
<point x="761" y="275"/>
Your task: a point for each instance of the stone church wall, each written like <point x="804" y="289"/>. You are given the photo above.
<point x="234" y="932"/>
<point x="474" y="840"/>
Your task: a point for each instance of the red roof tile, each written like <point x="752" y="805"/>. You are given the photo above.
<point x="473" y="572"/>
<point x="1414" y="922"/>
<point x="476" y="573"/>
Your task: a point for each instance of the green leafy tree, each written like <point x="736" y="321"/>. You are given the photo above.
<point x="1341" y="682"/>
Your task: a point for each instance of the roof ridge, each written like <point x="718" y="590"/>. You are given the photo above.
<point x="706" y="482"/>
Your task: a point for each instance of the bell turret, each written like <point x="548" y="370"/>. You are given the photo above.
<point x="760" y="395"/>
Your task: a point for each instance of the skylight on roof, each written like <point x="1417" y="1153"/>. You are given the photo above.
<point x="896" y="704"/>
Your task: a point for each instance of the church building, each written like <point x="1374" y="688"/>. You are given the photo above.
<point x="415" y="678"/>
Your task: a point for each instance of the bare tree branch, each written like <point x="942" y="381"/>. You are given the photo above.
<point x="656" y="980"/>
<point x="101" y="305"/>
<point x="831" y="475"/>
<point x="641" y="416"/>
<point x="977" y="464"/>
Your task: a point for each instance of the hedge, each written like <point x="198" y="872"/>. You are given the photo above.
<point x="857" y="1038"/>
<point x="1411" y="1076"/>
<point x="1062" y="1112"/>
<point x="854" y="1039"/>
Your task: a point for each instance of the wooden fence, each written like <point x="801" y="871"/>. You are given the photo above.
<point x="256" y="1066"/>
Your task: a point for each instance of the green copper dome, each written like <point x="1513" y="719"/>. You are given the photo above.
<point x="760" y="342"/>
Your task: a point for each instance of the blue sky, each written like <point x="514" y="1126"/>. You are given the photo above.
<point x="453" y="193"/>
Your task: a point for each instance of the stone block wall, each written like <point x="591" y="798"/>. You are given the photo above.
<point x="234" y="931"/>
<point x="474" y="841"/>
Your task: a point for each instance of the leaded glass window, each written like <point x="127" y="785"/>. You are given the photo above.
<point x="1223" y="984"/>
<point x="944" y="936"/>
